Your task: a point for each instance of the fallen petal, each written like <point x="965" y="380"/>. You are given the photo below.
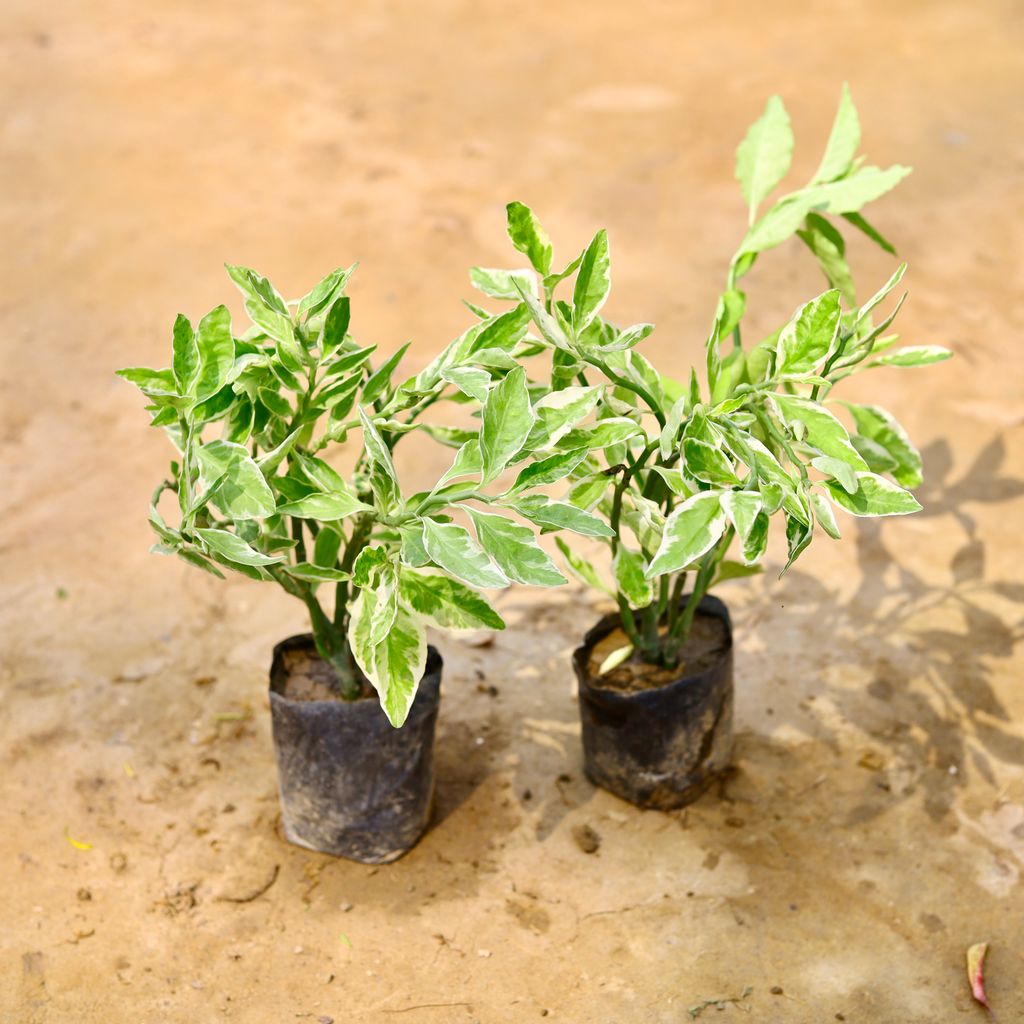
<point x="976" y="971"/>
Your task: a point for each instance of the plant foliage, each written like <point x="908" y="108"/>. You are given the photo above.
<point x="682" y="475"/>
<point x="254" y="418"/>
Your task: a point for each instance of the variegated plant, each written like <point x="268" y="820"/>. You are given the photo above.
<point x="682" y="472"/>
<point x="253" y="417"/>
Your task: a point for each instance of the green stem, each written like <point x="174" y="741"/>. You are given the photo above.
<point x="620" y="488"/>
<point x="332" y="646"/>
<point x="300" y="544"/>
<point x="624" y="382"/>
<point x="628" y="620"/>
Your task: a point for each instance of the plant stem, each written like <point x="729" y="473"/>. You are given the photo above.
<point x="625" y="382"/>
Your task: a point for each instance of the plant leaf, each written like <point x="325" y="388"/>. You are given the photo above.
<point x="830" y="251"/>
<point x="704" y="461"/>
<point x="764" y="156"/>
<point x="499" y="283"/>
<point x="380" y="380"/>
<point x="843" y="141"/>
<point x="628" y="567"/>
<point x="186" y="355"/>
<point x="917" y="355"/>
<point x="825" y="516"/>
<point x="470" y="380"/>
<point x="514" y="550"/>
<point x="561" y="516"/>
<point x="242" y="492"/>
<point x="549" y="470"/>
<point x="593" y="282"/>
<point x="743" y="509"/>
<point x="875" y="496"/>
<point x="394" y="666"/>
<point x="234" y="549"/>
<point x="313" y="573"/>
<point x="449" y="603"/>
<point x="507" y="422"/>
<point x="216" y="353"/>
<point x="324" y="293"/>
<point x="455" y="551"/>
<point x="581" y="568"/>
<point x="529" y="237"/>
<point x="325" y="508"/>
<point x="690" y="532"/>
<point x="602" y="434"/>
<point x="558" y="412"/>
<point x="824" y="431"/>
<point x="336" y="325"/>
<point x="880" y="427"/>
<point x="809" y="338"/>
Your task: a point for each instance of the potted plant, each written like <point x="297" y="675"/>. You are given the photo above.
<point x="253" y="418"/>
<point x="683" y="474"/>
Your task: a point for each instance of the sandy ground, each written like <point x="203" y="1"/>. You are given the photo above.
<point x="875" y="823"/>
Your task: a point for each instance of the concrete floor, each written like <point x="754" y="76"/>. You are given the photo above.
<point x="874" y="827"/>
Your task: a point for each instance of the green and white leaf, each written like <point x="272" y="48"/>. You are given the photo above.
<point x="917" y="355"/>
<point x="628" y="567"/>
<point x="581" y="568"/>
<point x="186" y="355"/>
<point x="242" y="491"/>
<point x="764" y="156"/>
<point x="395" y="666"/>
<point x="560" y="516"/>
<point x="500" y="284"/>
<point x="529" y="237"/>
<point x="602" y="434"/>
<point x="558" y="412"/>
<point x="447" y="602"/>
<point x="593" y="282"/>
<point x="507" y="422"/>
<point x="514" y="550"/>
<point x="216" y="350"/>
<point x="455" y="551"/>
<point x="809" y="338"/>
<point x="879" y="426"/>
<point x="690" y="532"/>
<point x="230" y="546"/>
<point x="843" y="141"/>
<point x="824" y="432"/>
<point x="744" y="510"/>
<point x="549" y="470"/>
<point x="824" y="515"/>
<point x="325" y="508"/>
<point x="310" y="572"/>
<point x="470" y="380"/>
<point x="875" y="496"/>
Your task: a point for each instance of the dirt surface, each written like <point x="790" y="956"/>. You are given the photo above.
<point x="874" y="827"/>
<point x="704" y="648"/>
<point x="306" y="676"/>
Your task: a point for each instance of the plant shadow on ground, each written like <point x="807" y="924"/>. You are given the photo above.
<point x="932" y="649"/>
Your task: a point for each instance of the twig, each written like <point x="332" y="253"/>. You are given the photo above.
<point x="424" y="1006"/>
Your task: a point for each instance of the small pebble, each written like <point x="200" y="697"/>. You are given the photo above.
<point x="586" y="838"/>
<point x="483" y="953"/>
<point x="776" y="990"/>
<point x="297" y="949"/>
